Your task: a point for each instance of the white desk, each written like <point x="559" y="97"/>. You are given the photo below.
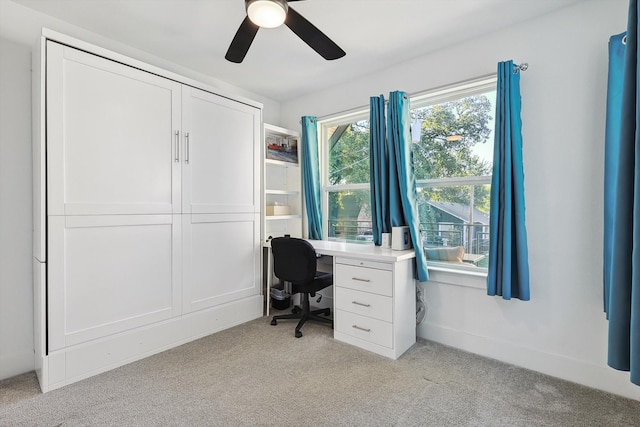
<point x="374" y="304"/>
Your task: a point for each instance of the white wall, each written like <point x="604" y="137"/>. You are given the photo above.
<point x="16" y="297"/>
<point x="20" y="28"/>
<point x="562" y="331"/>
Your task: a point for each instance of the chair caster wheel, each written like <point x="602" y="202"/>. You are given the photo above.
<point x="295" y="310"/>
<point x="274" y="322"/>
<point x="298" y="334"/>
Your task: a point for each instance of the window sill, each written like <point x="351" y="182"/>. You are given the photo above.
<point x="458" y="276"/>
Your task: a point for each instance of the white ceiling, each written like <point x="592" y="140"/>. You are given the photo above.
<point x="374" y="33"/>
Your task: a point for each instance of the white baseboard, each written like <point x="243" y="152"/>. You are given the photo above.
<point x="81" y="361"/>
<point x="600" y="377"/>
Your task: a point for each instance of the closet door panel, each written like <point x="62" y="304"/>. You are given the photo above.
<point x="108" y="274"/>
<point x="111" y="137"/>
<point x="220" y="168"/>
<point x="221" y="259"/>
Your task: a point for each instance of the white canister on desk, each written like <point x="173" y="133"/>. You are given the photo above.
<point x="400" y="238"/>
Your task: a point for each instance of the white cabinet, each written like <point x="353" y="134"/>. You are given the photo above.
<point x="220" y="182"/>
<point x="375" y="304"/>
<point x="108" y="274"/>
<point x="110" y="144"/>
<point x="221" y="259"/>
<point x="220" y="158"/>
<point x="152" y="211"/>
<point x="282" y="194"/>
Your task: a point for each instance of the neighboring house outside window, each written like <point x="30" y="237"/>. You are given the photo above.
<point x="452" y="156"/>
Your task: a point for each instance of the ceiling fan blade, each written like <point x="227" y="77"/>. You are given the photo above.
<point x="312" y="36"/>
<point x="242" y="41"/>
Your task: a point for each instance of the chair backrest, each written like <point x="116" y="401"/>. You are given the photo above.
<point x="294" y="260"/>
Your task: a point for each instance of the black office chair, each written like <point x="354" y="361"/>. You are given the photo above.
<point x="294" y="261"/>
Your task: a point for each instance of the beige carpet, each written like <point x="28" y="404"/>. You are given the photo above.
<point x="260" y="375"/>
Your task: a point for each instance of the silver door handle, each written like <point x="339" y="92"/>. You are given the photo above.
<point x="177" y="156"/>
<point x="186" y="158"/>
<point x="360" y="280"/>
<point x="361" y="304"/>
<point x="361" y="329"/>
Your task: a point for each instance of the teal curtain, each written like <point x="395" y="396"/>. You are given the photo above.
<point x="508" y="274"/>
<point x="623" y="171"/>
<point x="611" y="154"/>
<point x="379" y="169"/>
<point x="402" y="184"/>
<point x="396" y="148"/>
<point x="311" y="176"/>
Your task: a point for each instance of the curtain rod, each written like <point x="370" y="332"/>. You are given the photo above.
<point x="520" y="67"/>
<point x="516" y="69"/>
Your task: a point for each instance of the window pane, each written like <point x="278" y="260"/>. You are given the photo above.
<point x="348" y="147"/>
<point x="350" y="216"/>
<point x="456" y="141"/>
<point x="456" y="216"/>
<point x="455" y="138"/>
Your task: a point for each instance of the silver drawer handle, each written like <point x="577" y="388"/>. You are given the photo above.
<point x="359" y="303"/>
<point x="360" y="280"/>
<point x="362" y="329"/>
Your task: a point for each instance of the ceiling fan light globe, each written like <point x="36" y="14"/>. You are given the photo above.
<point x="267" y="13"/>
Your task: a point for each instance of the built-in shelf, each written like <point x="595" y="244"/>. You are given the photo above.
<point x="282" y="186"/>
<point x="280" y="163"/>
<point x="282" y="192"/>
<point x="281" y="217"/>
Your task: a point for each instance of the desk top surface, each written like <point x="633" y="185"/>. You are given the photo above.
<point x="361" y="251"/>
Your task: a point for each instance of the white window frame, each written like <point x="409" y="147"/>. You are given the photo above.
<point x="323" y="125"/>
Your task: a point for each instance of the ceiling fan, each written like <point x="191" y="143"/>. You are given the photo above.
<point x="271" y="14"/>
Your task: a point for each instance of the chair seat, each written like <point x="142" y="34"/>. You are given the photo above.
<point x="321" y="281"/>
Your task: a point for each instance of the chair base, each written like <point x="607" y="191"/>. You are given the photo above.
<point x="304" y="313"/>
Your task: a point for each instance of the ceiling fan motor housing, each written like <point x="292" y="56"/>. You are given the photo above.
<point x="267" y="13"/>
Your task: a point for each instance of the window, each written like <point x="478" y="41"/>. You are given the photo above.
<point x="452" y="155"/>
<point x="346" y="195"/>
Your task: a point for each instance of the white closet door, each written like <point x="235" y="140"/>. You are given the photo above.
<point x="220" y="259"/>
<point x="111" y="137"/>
<point x="221" y="166"/>
<point x="112" y="273"/>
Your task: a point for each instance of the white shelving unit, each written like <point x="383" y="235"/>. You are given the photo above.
<point x="282" y="185"/>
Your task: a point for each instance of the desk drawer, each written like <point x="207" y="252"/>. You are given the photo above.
<point x="365" y="328"/>
<point x="364" y="279"/>
<point x="364" y="303"/>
